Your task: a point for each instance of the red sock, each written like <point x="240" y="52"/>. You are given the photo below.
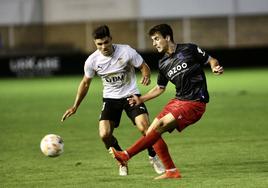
<point x="143" y="143"/>
<point x="161" y="149"/>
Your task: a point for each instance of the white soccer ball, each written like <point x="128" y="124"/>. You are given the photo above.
<point x="52" y="145"/>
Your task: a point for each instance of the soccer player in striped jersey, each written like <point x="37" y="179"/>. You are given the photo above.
<point x="115" y="64"/>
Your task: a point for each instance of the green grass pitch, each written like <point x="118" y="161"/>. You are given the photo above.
<point x="228" y="147"/>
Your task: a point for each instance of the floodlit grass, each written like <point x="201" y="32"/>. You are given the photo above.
<point x="226" y="148"/>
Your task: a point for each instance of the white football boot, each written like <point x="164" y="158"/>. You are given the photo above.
<point x="123" y="170"/>
<point x="157" y="164"/>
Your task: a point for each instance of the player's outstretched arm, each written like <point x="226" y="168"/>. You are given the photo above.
<point x="68" y="113"/>
<point x="155" y="92"/>
<point x="81" y="93"/>
<point x="146" y="74"/>
<point x="215" y="66"/>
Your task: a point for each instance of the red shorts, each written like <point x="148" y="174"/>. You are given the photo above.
<point x="185" y="112"/>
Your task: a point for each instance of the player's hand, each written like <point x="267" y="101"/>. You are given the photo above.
<point x="145" y="80"/>
<point x="134" y="100"/>
<point x="217" y="70"/>
<point x="68" y="113"/>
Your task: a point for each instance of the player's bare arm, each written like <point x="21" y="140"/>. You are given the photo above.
<point x="215" y="66"/>
<point x="146" y="74"/>
<point x="153" y="93"/>
<point x="81" y="93"/>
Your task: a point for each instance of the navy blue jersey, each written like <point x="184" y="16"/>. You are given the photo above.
<point x="184" y="68"/>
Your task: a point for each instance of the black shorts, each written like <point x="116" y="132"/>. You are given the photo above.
<point x="112" y="110"/>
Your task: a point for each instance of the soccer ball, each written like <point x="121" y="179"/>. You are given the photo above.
<point x="52" y="145"/>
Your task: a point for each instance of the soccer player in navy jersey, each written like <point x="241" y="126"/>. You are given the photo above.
<point x="182" y="65"/>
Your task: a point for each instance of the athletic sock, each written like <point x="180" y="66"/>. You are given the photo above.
<point x="143" y="143"/>
<point x="151" y="152"/>
<point x="161" y="149"/>
<point x="113" y="143"/>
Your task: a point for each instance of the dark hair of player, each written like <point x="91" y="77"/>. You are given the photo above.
<point x="163" y="29"/>
<point x="101" y="32"/>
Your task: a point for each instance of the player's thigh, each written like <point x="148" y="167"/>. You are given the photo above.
<point x="138" y="114"/>
<point x="111" y="111"/>
<point x="164" y="124"/>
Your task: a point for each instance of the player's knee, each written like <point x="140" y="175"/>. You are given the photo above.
<point x="143" y="131"/>
<point x="104" y="135"/>
<point x="143" y="127"/>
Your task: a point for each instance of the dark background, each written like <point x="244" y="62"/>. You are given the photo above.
<point x="72" y="62"/>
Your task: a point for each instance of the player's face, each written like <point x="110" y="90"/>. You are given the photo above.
<point x="159" y="42"/>
<point x="104" y="45"/>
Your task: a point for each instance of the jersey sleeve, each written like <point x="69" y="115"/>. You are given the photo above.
<point x="162" y="81"/>
<point x="201" y="55"/>
<point x="135" y="57"/>
<point x="88" y="68"/>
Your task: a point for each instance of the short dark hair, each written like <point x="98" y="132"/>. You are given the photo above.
<point x="101" y="32"/>
<point x="163" y="29"/>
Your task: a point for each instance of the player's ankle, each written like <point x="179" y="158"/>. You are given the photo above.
<point x="126" y="154"/>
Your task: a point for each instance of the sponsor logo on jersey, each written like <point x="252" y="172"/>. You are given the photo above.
<point x="180" y="56"/>
<point x="99" y="68"/>
<point x="177" y="69"/>
<point x="115" y="78"/>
